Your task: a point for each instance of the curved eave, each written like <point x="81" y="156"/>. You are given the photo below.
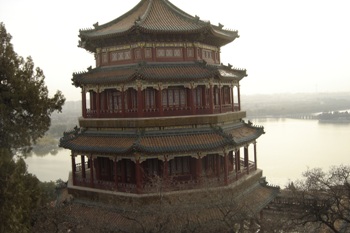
<point x="162" y="142"/>
<point x="157" y="72"/>
<point x="244" y="135"/>
<point x="203" y="34"/>
<point x="224" y="37"/>
<point x="228" y="74"/>
<point x="105" y="75"/>
<point x="154" y="17"/>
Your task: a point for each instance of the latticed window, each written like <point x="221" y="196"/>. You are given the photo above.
<point x="152" y="167"/>
<point x="190" y="52"/>
<point x="148" y="53"/>
<point x="114" y="100"/>
<point x="150" y="96"/>
<point x="180" y="165"/>
<point x="226" y="95"/>
<point x="174" y="97"/>
<point x="198" y="96"/>
<point x="209" y="164"/>
<point x="97" y="57"/>
<point x="114" y="56"/>
<point x="216" y="96"/>
<point x="216" y="56"/>
<point x="137" y="54"/>
<point x="104" y="58"/>
<point x="177" y="53"/>
<point x="132" y="99"/>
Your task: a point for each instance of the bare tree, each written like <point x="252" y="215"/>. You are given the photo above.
<point x="323" y="199"/>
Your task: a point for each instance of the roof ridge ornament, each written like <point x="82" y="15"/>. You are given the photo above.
<point x="95" y="25"/>
<point x="197" y="18"/>
<point x="138" y="20"/>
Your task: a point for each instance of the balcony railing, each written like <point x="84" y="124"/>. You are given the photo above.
<point x="158" y="184"/>
<point x="155" y="112"/>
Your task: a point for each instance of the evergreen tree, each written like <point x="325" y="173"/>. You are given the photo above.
<point x="20" y="194"/>
<point x="25" y="107"/>
<point x="25" y="110"/>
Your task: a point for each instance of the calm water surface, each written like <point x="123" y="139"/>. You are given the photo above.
<point x="287" y="149"/>
<point x="290" y="146"/>
<point x="50" y="167"/>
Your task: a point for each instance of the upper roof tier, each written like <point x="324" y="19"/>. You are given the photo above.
<point x="158" y="73"/>
<point x="155" y="20"/>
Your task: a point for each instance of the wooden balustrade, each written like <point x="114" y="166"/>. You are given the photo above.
<point x="156" y="112"/>
<point x="173" y="183"/>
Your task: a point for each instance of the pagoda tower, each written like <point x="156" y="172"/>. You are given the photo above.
<point x="160" y="105"/>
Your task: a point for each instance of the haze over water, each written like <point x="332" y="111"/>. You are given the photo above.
<point x="285" y="151"/>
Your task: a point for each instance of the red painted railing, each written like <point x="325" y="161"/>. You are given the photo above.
<point x="172" y="183"/>
<point x="156" y="112"/>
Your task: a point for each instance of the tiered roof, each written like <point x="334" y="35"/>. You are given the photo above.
<point x="156" y="17"/>
<point x="158" y="72"/>
<point x="161" y="142"/>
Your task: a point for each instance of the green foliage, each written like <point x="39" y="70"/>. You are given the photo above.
<point x="25" y="111"/>
<point x="25" y="107"/>
<point x="20" y="194"/>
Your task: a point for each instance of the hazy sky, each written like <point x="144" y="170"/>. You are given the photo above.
<point x="285" y="45"/>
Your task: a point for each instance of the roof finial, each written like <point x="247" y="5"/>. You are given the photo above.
<point x="95" y="25"/>
<point x="221" y="26"/>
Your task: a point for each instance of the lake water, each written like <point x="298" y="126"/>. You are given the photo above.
<point x="288" y="148"/>
<point x="291" y="146"/>
<point x="50" y="167"/>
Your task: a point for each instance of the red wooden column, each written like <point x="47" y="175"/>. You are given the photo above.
<point x="239" y="98"/>
<point x="74" y="169"/>
<point x="233" y="98"/>
<point x="91" y="171"/>
<point x="139" y="101"/>
<point x="83" y="173"/>
<point x="154" y="52"/>
<point x="83" y="97"/>
<point x="123" y="102"/>
<point x="246" y="158"/>
<point x="255" y="157"/>
<point x="160" y="100"/>
<point x="226" y="168"/>
<point x="116" y="174"/>
<point x="238" y="162"/>
<point x="165" y="168"/>
<point x="123" y="170"/>
<point x="97" y="168"/>
<point x="211" y="98"/>
<point x="220" y="98"/>
<point x="199" y="168"/>
<point x="98" y="103"/>
<point x="138" y="176"/>
<point x="218" y="165"/>
<point x="193" y="108"/>
<point x="92" y="102"/>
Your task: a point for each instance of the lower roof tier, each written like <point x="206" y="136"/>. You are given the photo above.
<point x="167" y="141"/>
